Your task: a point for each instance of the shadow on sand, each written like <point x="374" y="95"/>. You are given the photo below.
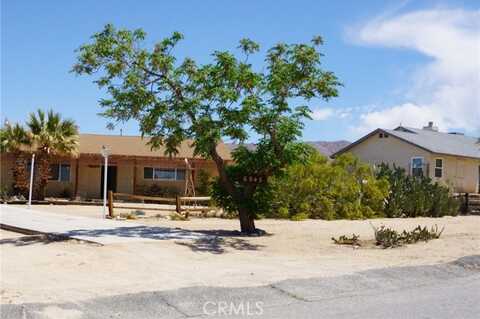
<point x="213" y="241"/>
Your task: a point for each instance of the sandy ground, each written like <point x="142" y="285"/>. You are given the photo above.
<point x="142" y="210"/>
<point x="36" y="271"/>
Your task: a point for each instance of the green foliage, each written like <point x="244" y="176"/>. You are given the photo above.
<point x="390" y="238"/>
<point x="157" y="190"/>
<point x="4" y="193"/>
<point x="345" y="240"/>
<point x="226" y="98"/>
<point x="13" y="138"/>
<point x="66" y="193"/>
<point x="53" y="135"/>
<point x="416" y="196"/>
<point x="204" y="183"/>
<point x="343" y="188"/>
<point x="178" y="217"/>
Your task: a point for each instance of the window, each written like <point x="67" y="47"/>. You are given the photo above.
<point x="54" y="172"/>
<point x="64" y="173"/>
<point x="438" y="167"/>
<point x="417" y="166"/>
<point x="380" y="135"/>
<point x="161" y="173"/>
<point x="180" y="175"/>
<point x="60" y="172"/>
<point x="147" y="172"/>
<point x="166" y="174"/>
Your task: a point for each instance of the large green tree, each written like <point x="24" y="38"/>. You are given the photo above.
<point x="15" y="139"/>
<point x="226" y="98"/>
<point x="51" y="136"/>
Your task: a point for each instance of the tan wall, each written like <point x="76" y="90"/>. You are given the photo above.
<point x="59" y="188"/>
<point x="462" y="173"/>
<point x="89" y="174"/>
<point x="125" y="173"/>
<point x="459" y="173"/>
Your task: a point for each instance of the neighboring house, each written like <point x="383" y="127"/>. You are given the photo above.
<point x="133" y="167"/>
<point x="450" y="158"/>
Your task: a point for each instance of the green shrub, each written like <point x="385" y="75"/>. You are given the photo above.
<point x="204" y="183"/>
<point x="4" y="193"/>
<point x="411" y="196"/>
<point x="390" y="238"/>
<point x="157" y="190"/>
<point x="345" y="240"/>
<point x="343" y="188"/>
<point x="66" y="193"/>
<point x="178" y="217"/>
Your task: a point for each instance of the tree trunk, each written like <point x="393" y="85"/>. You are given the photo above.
<point x="42" y="176"/>
<point x="247" y="222"/>
<point x="20" y="175"/>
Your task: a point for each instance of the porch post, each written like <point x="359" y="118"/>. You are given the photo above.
<point x="75" y="193"/>
<point x="134" y="176"/>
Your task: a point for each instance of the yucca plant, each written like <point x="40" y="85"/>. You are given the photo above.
<point x="51" y="136"/>
<point x="15" y="139"/>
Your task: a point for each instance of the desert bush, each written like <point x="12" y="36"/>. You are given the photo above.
<point x="204" y="183"/>
<point x="390" y="238"/>
<point x="178" y="217"/>
<point x="345" y="240"/>
<point x="4" y="193"/>
<point x="157" y="190"/>
<point x="66" y="193"/>
<point x="319" y="189"/>
<point x="343" y="188"/>
<point x="411" y="196"/>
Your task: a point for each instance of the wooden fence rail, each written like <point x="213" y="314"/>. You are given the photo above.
<point x="180" y="202"/>
<point x="470" y="203"/>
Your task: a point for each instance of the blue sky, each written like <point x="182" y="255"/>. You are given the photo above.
<point x="401" y="62"/>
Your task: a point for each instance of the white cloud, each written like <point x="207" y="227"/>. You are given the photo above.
<point x="446" y="89"/>
<point x="322" y="114"/>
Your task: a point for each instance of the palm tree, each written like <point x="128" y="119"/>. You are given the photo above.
<point x="15" y="139"/>
<point x="52" y="136"/>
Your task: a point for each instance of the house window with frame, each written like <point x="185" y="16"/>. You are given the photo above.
<point x="164" y="174"/>
<point x="417" y="165"/>
<point x="438" y="167"/>
<point x="60" y="172"/>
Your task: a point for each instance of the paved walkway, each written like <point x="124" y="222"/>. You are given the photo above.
<point x="101" y="231"/>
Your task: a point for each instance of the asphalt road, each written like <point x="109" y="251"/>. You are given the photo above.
<point x="441" y="291"/>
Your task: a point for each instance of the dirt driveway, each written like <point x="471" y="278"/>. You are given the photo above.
<point x="42" y="271"/>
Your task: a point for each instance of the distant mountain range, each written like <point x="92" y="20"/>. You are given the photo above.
<point x="324" y="147"/>
<point x="328" y="148"/>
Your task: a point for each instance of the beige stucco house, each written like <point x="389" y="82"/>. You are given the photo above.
<point x="450" y="158"/>
<point x="133" y="167"/>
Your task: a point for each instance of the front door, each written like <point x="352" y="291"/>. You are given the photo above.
<point x="111" y="179"/>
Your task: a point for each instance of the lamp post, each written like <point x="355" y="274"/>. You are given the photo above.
<point x="105" y="152"/>
<point x="31" y="181"/>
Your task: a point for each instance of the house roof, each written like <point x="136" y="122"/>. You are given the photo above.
<point x="432" y="141"/>
<point x="136" y="146"/>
